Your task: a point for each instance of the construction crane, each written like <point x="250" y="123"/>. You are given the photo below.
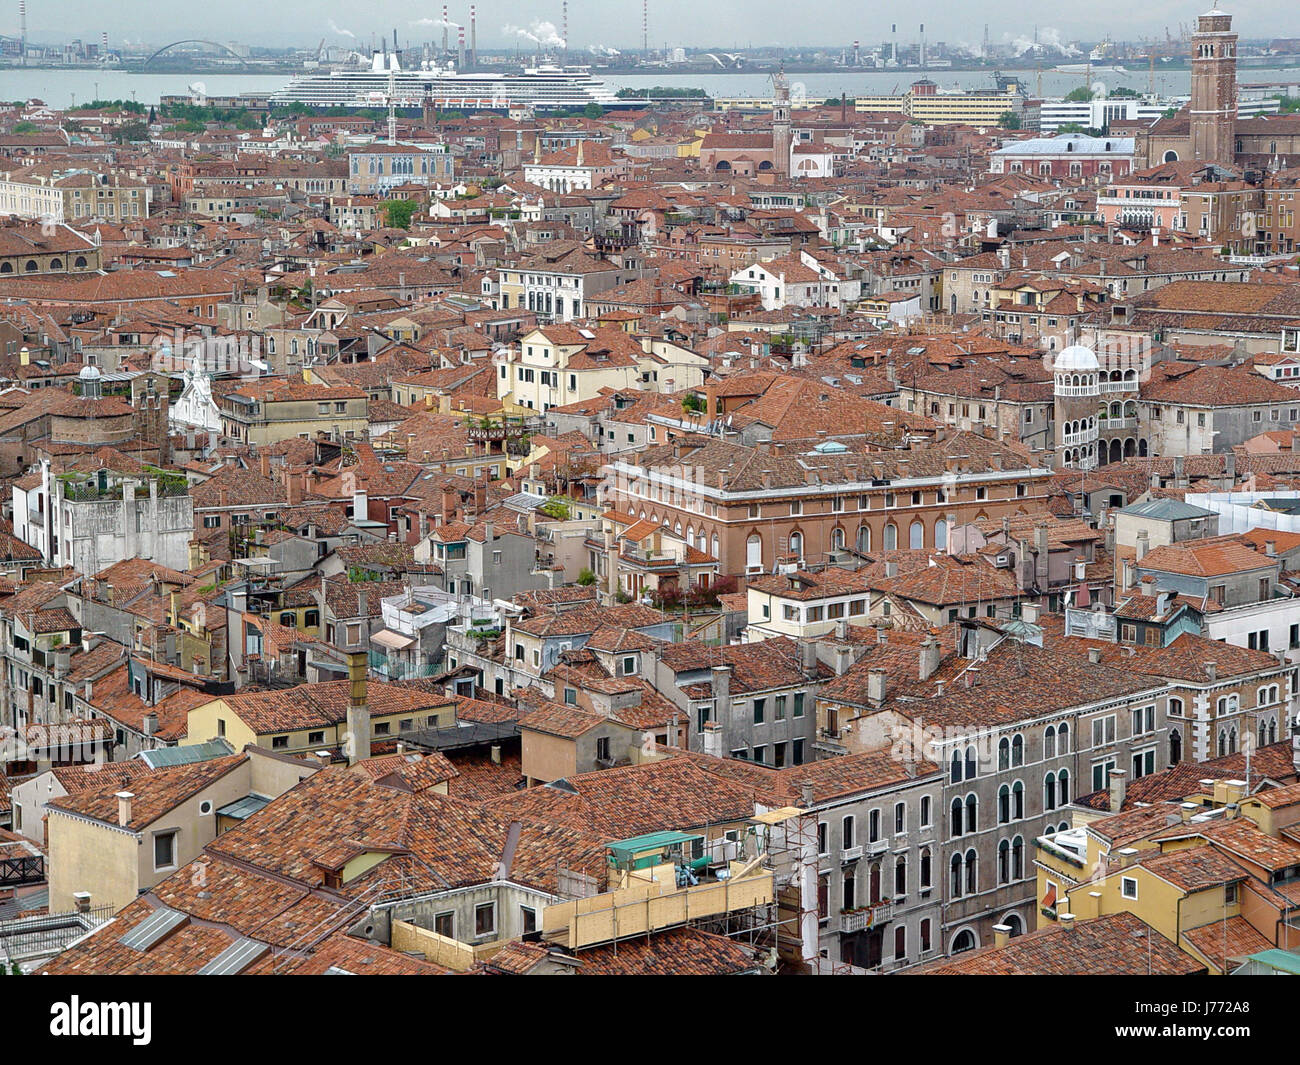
<point x="320" y="49"/>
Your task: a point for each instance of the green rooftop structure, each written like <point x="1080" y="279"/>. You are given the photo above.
<point x="644" y="852"/>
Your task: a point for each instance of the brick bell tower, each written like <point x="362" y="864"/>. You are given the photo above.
<point x="1214" y="89"/>
<point x="781" y="123"/>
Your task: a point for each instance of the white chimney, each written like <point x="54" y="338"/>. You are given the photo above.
<point x="124" y="808"/>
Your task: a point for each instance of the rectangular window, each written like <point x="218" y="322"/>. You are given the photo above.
<point x="1128" y="887"/>
<point x="900" y="817"/>
<point x="1103" y="730"/>
<point x="780" y="707"/>
<point x="279" y="742"/>
<point x="846" y="832"/>
<point x="444" y="924"/>
<point x="760" y="707"/>
<point x="527" y="919"/>
<point x="925" y="811"/>
<point x="798" y="704"/>
<point x="164" y="850"/>
<point x="485" y="919"/>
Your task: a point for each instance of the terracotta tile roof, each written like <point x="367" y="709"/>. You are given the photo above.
<point x="676" y="952"/>
<point x="155" y="794"/>
<point x="324" y="703"/>
<point x="1106" y="946"/>
<point x="1233" y="938"/>
<point x="632" y="800"/>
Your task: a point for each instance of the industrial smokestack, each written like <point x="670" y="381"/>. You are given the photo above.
<point x="445" y="23"/>
<point x="460" y="47"/>
<point x="473" y="38"/>
<point x="358" y="738"/>
<point x="922" y="53"/>
<point x="22" y="29"/>
<point x="564" y="25"/>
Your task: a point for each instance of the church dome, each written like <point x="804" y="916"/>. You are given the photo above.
<point x="89" y="373"/>
<point x="1076" y="359"/>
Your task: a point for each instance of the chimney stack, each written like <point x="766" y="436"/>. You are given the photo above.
<point x="124" y="808"/>
<point x="1118" y="787"/>
<point x="358" y="739"/>
<point x="876" y="686"/>
<point x="1067" y="922"/>
<point x="808" y="658"/>
<point x="930" y="657"/>
<point x="721" y="693"/>
<point x="806" y="794"/>
<point x="1001" y="935"/>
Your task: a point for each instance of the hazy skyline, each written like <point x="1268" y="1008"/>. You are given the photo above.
<point x="617" y="23"/>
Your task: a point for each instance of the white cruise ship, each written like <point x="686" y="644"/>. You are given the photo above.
<point x="541" y="88"/>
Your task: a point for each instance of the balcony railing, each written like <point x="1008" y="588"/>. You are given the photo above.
<point x="1119" y="386"/>
<point x="1084" y="436"/>
<point x="850" y="854"/>
<point x="1111" y="424"/>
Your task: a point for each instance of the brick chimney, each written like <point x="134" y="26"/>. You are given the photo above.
<point x="358" y="738"/>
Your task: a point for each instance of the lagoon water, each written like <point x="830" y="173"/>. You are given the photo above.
<point x="61" y="88"/>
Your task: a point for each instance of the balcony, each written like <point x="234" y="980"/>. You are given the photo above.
<point x="1112" y="425"/>
<point x="1076" y="390"/>
<point x="1084" y="436"/>
<point x="878" y="846"/>
<point x="1120" y="386"/>
<point x="850" y="854"/>
<point x="866" y="917"/>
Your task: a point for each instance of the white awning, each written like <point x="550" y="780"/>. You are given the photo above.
<point x="394" y="641"/>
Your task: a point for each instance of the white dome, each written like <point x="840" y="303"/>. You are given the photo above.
<point x="88" y="373"/>
<point x="1076" y="359"/>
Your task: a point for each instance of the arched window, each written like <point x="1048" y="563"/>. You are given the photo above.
<point x="1063" y="786"/>
<point x="713" y="545"/>
<point x="925" y="869"/>
<point x="954" y="827"/>
<point x="311" y="619"/>
<point x="864" y="538"/>
<point x="971" y="763"/>
<point x="1018" y="801"/>
<point x="956" y="877"/>
<point x="955" y="774"/>
<point x="963" y="941"/>
<point x="1175" y="708"/>
<point x="1175" y="747"/>
<point x="972" y="866"/>
<point x="796" y="544"/>
<point x="916" y="536"/>
<point x="753" y="553"/>
<point x="1049" y="792"/>
<point x="1063" y="738"/>
<point x="1004" y="753"/>
<point x="891" y="537"/>
<point x="1004" y="862"/>
<point x="1017" y="750"/>
<point x="1272" y="730"/>
<point x="6" y="268"/>
<point x="1049" y="742"/>
<point x="1004" y="804"/>
<point x="288" y="619"/>
<point x="900" y="876"/>
<point x="941" y="535"/>
<point x="1263" y="732"/>
<point x="972" y="813"/>
<point x="30" y="266"/>
<point x="1018" y="858"/>
<point x="56" y="264"/>
<point x="79" y="262"/>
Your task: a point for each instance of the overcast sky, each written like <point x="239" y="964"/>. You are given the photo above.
<point x="617" y="23"/>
